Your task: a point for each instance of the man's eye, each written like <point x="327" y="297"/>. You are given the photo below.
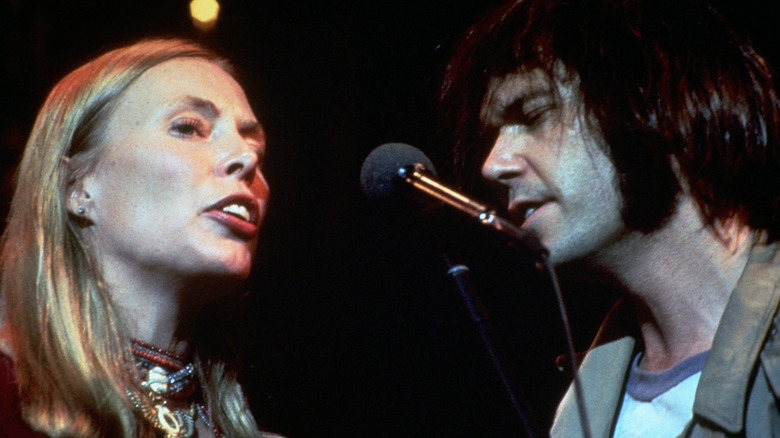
<point x="534" y="116"/>
<point x="528" y="113"/>
<point x="188" y="128"/>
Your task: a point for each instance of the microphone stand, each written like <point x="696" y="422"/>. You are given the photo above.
<point x="421" y="178"/>
<point x="460" y="274"/>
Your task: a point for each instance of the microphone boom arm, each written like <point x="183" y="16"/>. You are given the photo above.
<point x="419" y="177"/>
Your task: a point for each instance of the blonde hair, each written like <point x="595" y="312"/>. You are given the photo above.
<point x="71" y="358"/>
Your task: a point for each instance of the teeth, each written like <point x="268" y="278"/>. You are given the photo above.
<point x="237" y="210"/>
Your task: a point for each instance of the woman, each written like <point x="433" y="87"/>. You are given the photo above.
<point x="133" y="225"/>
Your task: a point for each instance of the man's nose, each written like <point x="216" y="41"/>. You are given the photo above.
<point x="505" y="160"/>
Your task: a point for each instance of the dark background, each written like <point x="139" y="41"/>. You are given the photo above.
<point x="352" y="329"/>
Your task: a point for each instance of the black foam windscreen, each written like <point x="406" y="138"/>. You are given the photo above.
<point x="380" y="168"/>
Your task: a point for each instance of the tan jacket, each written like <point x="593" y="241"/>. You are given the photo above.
<point x="741" y="376"/>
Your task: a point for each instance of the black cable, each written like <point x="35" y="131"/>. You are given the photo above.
<point x="578" y="391"/>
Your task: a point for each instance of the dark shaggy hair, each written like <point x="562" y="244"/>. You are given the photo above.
<point x="663" y="80"/>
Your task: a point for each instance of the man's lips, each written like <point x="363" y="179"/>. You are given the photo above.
<point x="522" y="210"/>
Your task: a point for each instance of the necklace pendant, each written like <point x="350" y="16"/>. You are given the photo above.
<point x="165" y="378"/>
<point x="157" y="381"/>
<point x="168" y="421"/>
<point x="175" y="424"/>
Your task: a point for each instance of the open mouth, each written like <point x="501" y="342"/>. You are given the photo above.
<point x="529" y="211"/>
<point x="522" y="211"/>
<point x="238" y="210"/>
<point x="240" y="213"/>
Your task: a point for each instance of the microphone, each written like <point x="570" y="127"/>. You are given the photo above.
<point x="397" y="164"/>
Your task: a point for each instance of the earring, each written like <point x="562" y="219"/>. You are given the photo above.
<point x="81" y="210"/>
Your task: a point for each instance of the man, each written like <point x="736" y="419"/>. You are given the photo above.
<point x="639" y="140"/>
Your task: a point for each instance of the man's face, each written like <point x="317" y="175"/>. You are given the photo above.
<point x="558" y="180"/>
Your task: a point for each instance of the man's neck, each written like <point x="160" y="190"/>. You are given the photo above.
<point x="680" y="279"/>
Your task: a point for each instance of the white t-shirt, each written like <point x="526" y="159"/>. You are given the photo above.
<point x="659" y="405"/>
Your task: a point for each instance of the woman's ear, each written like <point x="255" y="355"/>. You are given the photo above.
<point x="79" y="201"/>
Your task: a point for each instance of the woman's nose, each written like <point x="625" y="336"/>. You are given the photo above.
<point x="240" y="164"/>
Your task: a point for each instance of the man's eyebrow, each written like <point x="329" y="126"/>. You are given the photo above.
<point x="515" y="106"/>
<point x="506" y="100"/>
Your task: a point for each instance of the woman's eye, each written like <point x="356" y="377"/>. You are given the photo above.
<point x="188" y="128"/>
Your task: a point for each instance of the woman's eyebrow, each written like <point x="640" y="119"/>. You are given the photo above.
<point x="207" y="108"/>
<point x="253" y="129"/>
<point x="203" y="106"/>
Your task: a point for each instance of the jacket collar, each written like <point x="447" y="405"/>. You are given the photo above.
<point x="722" y="392"/>
<point x="602" y="374"/>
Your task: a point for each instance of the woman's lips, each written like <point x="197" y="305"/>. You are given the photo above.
<point x="239" y="227"/>
<point x="240" y="213"/>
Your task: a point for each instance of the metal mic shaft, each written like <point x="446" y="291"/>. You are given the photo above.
<point x="418" y="176"/>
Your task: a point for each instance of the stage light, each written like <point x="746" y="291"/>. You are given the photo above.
<point x="204" y="14"/>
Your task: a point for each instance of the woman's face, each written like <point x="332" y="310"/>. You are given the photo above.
<point x="177" y="188"/>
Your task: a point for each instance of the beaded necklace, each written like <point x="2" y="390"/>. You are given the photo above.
<point x="166" y="377"/>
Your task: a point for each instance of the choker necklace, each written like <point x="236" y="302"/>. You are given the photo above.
<point x="166" y="377"/>
<point x="163" y="372"/>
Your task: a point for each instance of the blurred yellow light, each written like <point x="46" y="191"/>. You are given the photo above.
<point x="204" y="13"/>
